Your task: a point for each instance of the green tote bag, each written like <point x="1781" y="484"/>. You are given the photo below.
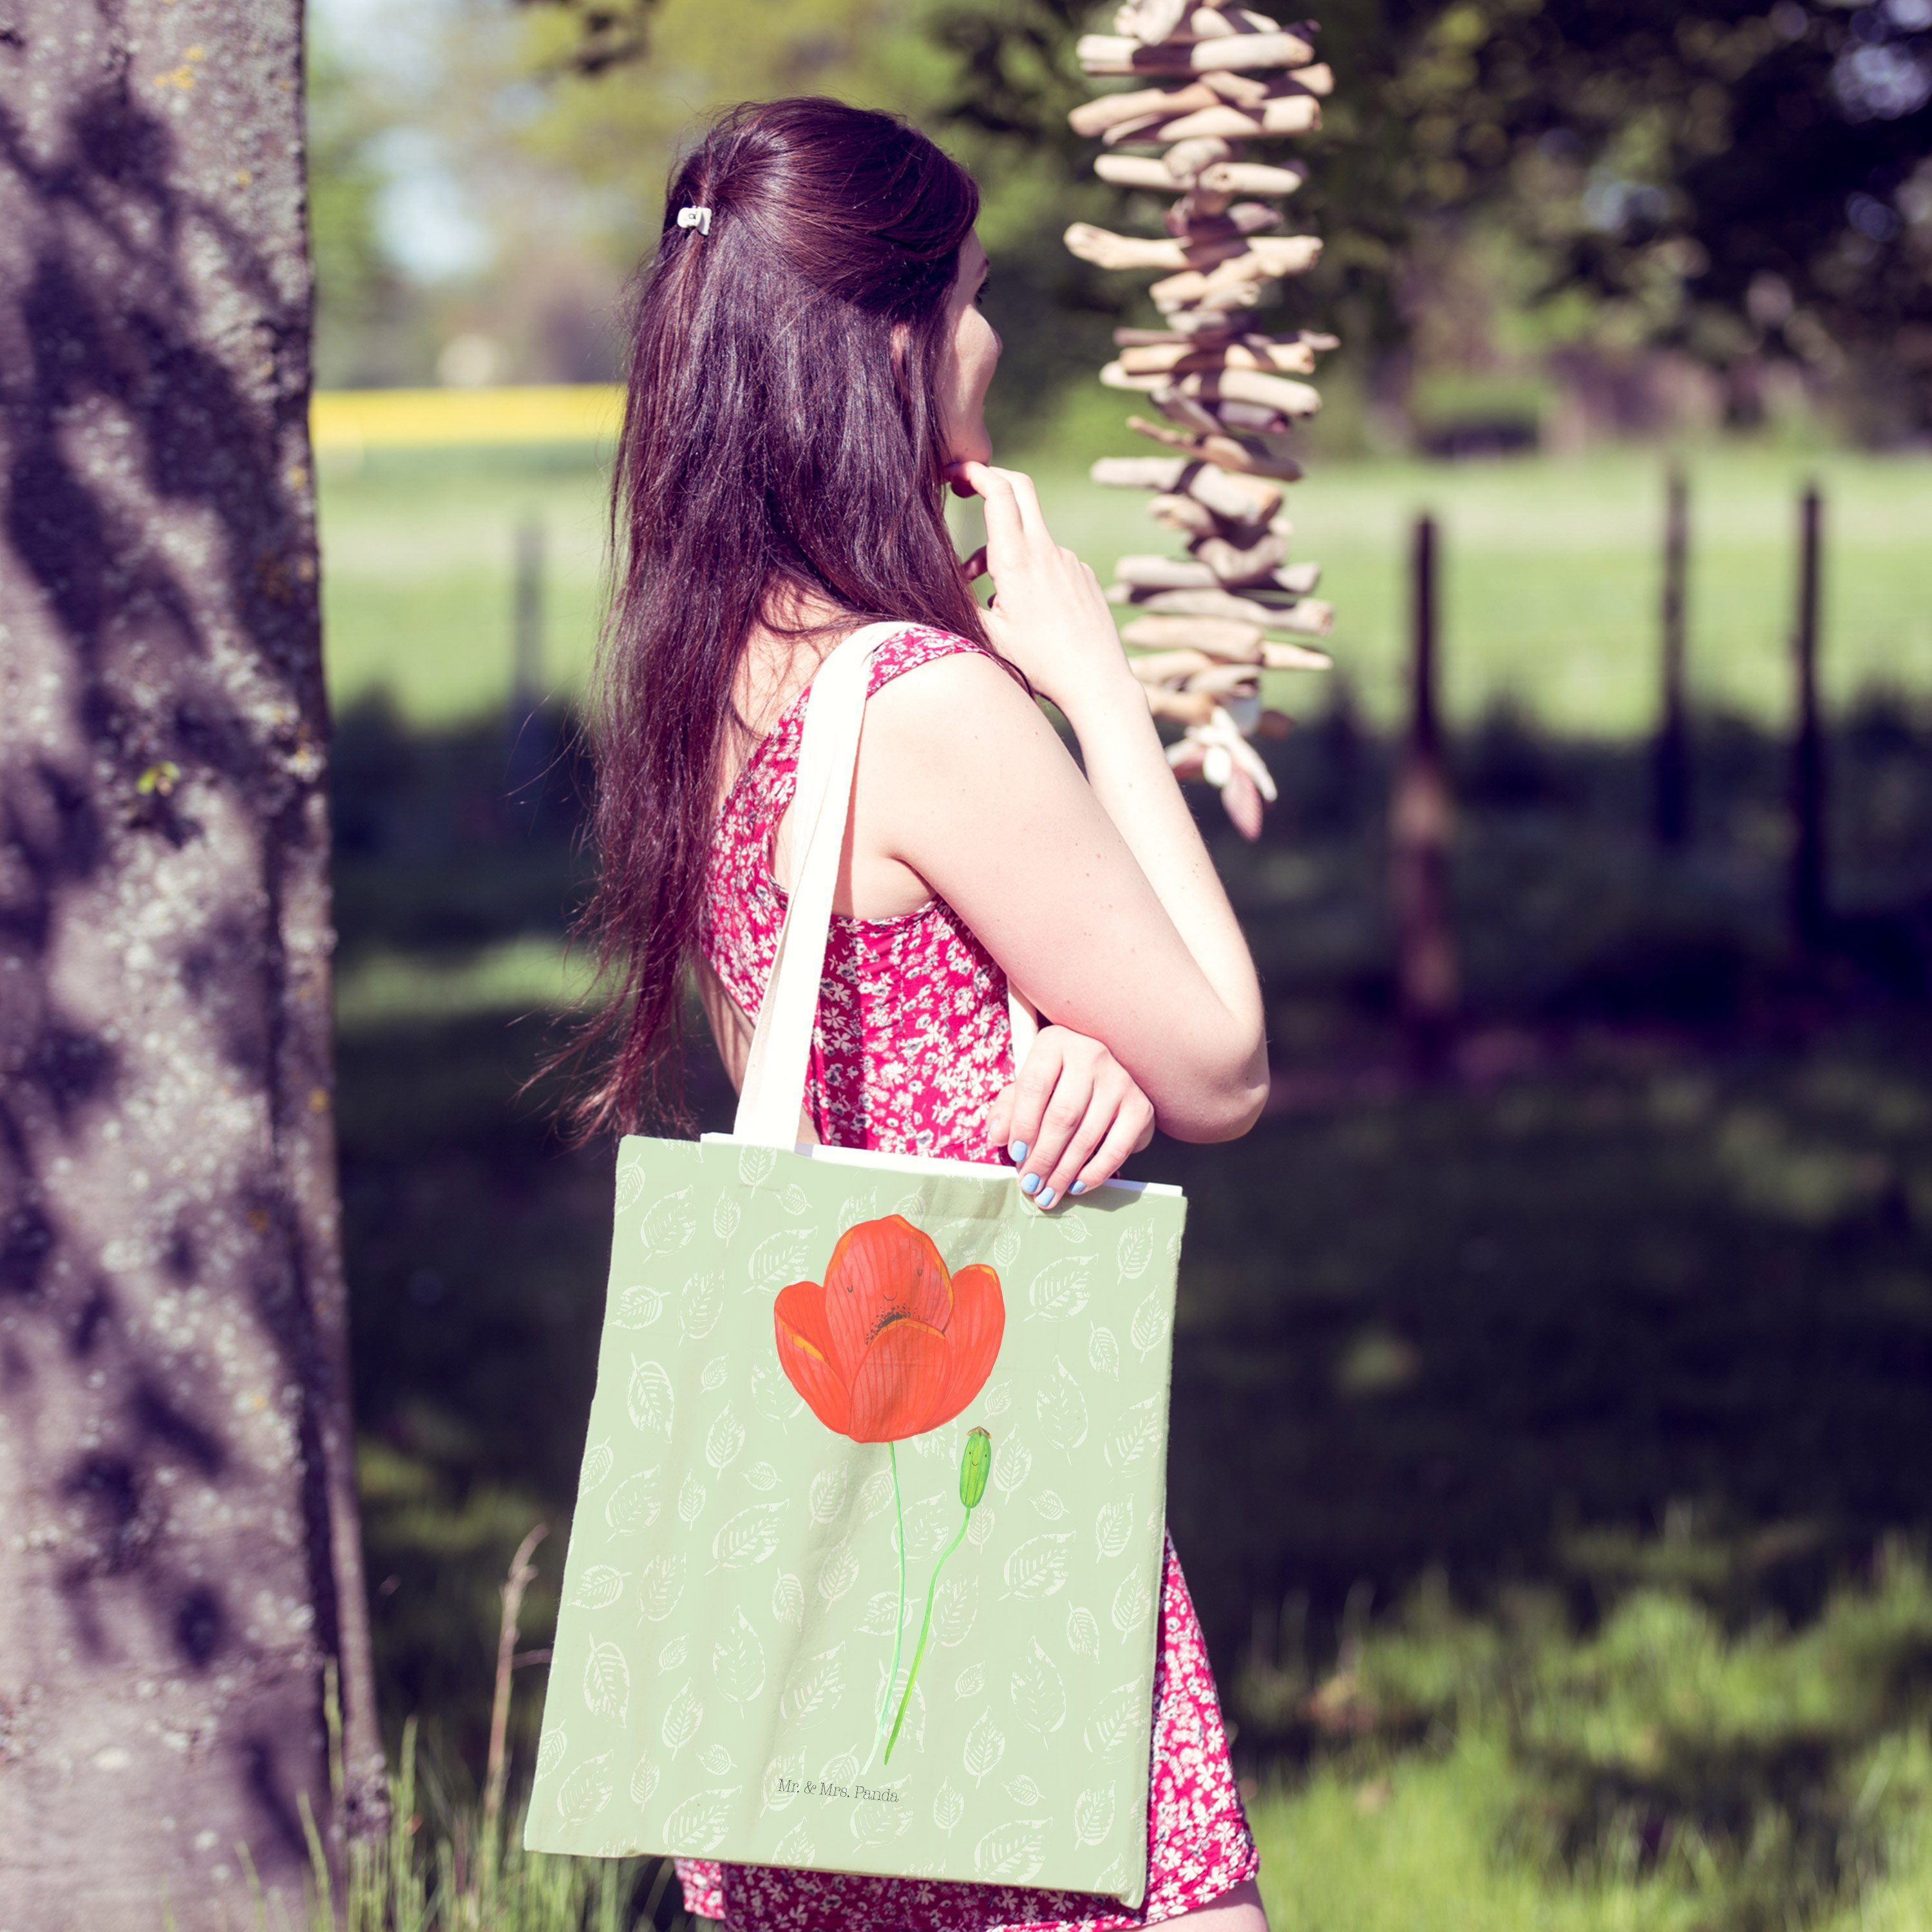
<point x="864" y="1574"/>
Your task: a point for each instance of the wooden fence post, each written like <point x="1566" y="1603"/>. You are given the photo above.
<point x="1809" y="914"/>
<point x="530" y="735"/>
<point x="1426" y="969"/>
<point x="1671" y="765"/>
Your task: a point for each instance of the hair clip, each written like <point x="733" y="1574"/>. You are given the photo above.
<point x="699" y="218"/>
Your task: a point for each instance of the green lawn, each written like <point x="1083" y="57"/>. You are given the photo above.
<point x="1548" y="1447"/>
<point x="1551" y="574"/>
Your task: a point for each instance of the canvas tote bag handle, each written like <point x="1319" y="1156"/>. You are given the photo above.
<point x="773" y="1094"/>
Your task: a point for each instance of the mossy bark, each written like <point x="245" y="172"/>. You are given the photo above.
<point x="178" y="1556"/>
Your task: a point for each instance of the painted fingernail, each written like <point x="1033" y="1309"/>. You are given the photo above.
<point x="1029" y="1183"/>
<point x="1078" y="1187"/>
<point x="1046" y="1200"/>
<point x="1017" y="1150"/>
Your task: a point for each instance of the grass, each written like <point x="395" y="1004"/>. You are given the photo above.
<point x="1550" y="575"/>
<point x="1548" y="1449"/>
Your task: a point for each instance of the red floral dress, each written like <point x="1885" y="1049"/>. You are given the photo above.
<point x="911" y="1049"/>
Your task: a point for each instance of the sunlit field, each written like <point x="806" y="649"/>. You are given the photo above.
<point x="1551" y="574"/>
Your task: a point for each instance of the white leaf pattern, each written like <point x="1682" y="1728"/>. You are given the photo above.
<point x="881" y="1610"/>
<point x="699" y="1824"/>
<point x="813" y="1688"/>
<point x="1103" y="1352"/>
<point x="828" y="1494"/>
<point x="738" y="1662"/>
<point x="762" y="1476"/>
<point x="683" y="1716"/>
<point x="1148" y="1329"/>
<point x="660" y="1587"/>
<point x="1011" y="1854"/>
<point x="673" y="1655"/>
<point x="726" y="1439"/>
<point x="788" y="1600"/>
<point x="649" y="1396"/>
<point x="701" y="1303"/>
<point x="1038" y="1567"/>
<point x="598" y="1461"/>
<point x="717" y="1372"/>
<point x="1039" y="1692"/>
<point x="1093" y="1814"/>
<point x="724" y="1217"/>
<point x="633" y="1503"/>
<point x="1048" y="1505"/>
<point x="1132" y="1602"/>
<point x="690" y="1501"/>
<point x="754" y="1163"/>
<point x="874" y="1494"/>
<point x="1083" y="1632"/>
<point x="644" y="1781"/>
<point x="630" y="1188"/>
<point x="714" y="1762"/>
<point x="1133" y="1252"/>
<point x="599" y="1587"/>
<point x="838" y="1573"/>
<point x="780" y="1259"/>
<point x="1135" y="1433"/>
<point x="750" y="1537"/>
<point x="948" y="1807"/>
<point x="1113" y="1723"/>
<point x="637" y="1307"/>
<point x="793" y="1200"/>
<point x="586" y="1790"/>
<point x="1062" y="1409"/>
<point x="1060" y="1288"/>
<point x="1012" y="1465"/>
<point x="1113" y="1527"/>
<point x="667" y="1224"/>
<point x="970" y="1682"/>
<point x="985" y="1745"/>
<point x="607" y="1681"/>
<point x="1023" y="1791"/>
<point x="954" y="1610"/>
<point x="550" y="1753"/>
<point x="795" y="1847"/>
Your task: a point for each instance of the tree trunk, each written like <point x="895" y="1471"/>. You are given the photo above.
<point x="179" y="1555"/>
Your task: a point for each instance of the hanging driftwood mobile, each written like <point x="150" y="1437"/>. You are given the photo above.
<point x="1219" y="77"/>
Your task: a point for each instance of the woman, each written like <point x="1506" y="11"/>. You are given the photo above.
<point x="809" y="371"/>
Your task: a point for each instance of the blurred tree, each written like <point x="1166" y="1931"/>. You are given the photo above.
<point x="356" y="282"/>
<point x="175" y="1463"/>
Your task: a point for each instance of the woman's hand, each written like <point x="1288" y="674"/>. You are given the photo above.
<point x="1071" y="1117"/>
<point x="1049" y="616"/>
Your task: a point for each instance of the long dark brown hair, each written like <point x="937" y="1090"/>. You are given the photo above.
<point x="782" y="443"/>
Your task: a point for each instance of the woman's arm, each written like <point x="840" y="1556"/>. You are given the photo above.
<point x="1095" y="893"/>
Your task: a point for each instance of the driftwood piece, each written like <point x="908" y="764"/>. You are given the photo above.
<point x="1234" y="565"/>
<point x="1185" y="514"/>
<point x="1173" y="668"/>
<point x="1180" y="707"/>
<point x="1203" y="596"/>
<point x="1151" y="20"/>
<point x="1229" y="452"/>
<point x="1113" y="53"/>
<point x="1164" y="175"/>
<point x="1216" y="638"/>
<point x="1294" y="114"/>
<point x="1247" y="385"/>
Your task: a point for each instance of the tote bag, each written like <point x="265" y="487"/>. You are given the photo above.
<point x="865" y="1570"/>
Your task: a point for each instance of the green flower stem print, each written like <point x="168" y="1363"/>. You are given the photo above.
<point x="974" y="1467"/>
<point x="898" y="1628"/>
<point x="892" y="1345"/>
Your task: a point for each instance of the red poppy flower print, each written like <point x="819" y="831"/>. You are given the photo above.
<point x="891" y="1343"/>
